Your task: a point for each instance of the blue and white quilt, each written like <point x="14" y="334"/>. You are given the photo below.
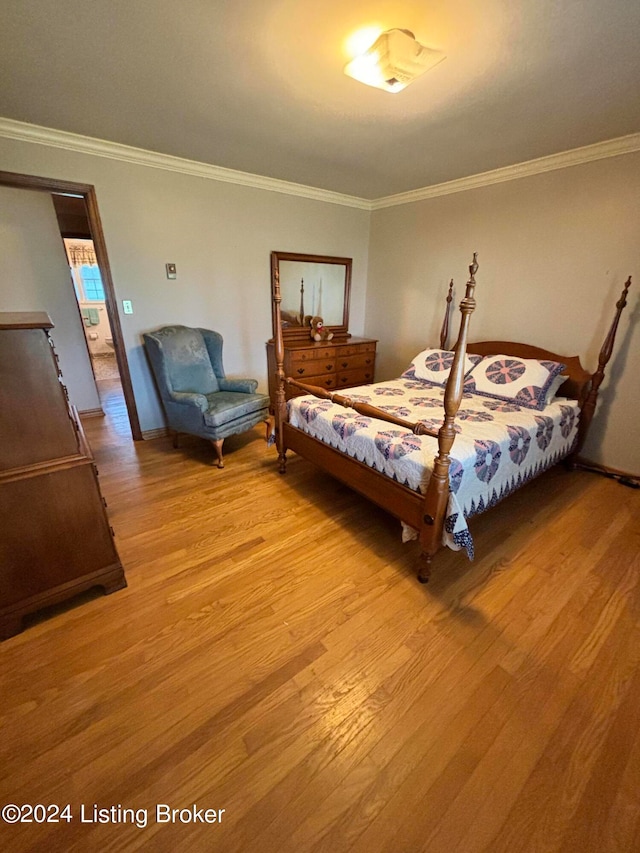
<point x="499" y="445"/>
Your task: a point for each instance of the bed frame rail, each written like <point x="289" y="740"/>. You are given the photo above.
<point x="366" y="409"/>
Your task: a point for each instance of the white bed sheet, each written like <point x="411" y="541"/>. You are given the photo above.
<point x="499" y="446"/>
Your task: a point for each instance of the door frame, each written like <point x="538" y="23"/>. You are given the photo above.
<point x="87" y="191"/>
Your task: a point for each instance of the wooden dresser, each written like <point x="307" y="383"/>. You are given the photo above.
<point x="55" y="538"/>
<point x="333" y="365"/>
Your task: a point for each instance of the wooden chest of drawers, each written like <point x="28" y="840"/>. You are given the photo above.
<point x="332" y="365"/>
<point x="55" y="537"/>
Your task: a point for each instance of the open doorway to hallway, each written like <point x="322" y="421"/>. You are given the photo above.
<point x="89" y="291"/>
<point x="87" y="225"/>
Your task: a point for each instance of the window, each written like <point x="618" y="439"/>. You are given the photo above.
<point x="91" y="283"/>
<point x="84" y="270"/>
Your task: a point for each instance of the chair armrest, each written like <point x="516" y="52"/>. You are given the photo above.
<point x="187" y="398"/>
<point x="242" y="386"/>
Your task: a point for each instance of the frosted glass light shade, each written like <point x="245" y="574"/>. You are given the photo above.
<point x="393" y="61"/>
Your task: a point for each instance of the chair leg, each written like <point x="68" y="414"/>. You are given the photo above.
<point x="218" y="448"/>
<point x="175" y="436"/>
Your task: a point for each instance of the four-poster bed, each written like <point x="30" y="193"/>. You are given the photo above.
<point x="509" y="430"/>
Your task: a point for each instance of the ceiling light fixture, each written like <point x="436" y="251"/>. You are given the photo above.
<point x="393" y="61"/>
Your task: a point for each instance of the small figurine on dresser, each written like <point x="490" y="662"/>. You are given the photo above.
<point x="318" y="330"/>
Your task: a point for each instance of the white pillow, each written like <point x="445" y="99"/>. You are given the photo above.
<point x="434" y="365"/>
<point x="525" y="381"/>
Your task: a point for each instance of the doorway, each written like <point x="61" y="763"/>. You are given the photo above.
<point x="88" y="289"/>
<point x="85" y="193"/>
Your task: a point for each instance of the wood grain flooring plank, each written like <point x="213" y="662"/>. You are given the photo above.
<point x="274" y="656"/>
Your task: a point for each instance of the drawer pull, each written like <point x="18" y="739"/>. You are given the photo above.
<point x="367" y="361"/>
<point x="328" y="367"/>
<point x="329" y="382"/>
<point x="345" y="364"/>
<point x="301" y="370"/>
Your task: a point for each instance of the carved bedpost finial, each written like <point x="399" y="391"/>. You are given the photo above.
<point x="620" y="304"/>
<point x="589" y="405"/>
<point x="444" y="331"/>
<point x="276" y="287"/>
<point x="302" y="302"/>
<point x="468" y="304"/>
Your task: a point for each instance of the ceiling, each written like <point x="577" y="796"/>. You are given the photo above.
<point x="257" y="85"/>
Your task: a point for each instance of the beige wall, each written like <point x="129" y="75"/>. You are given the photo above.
<point x="554" y="252"/>
<point x="34" y="276"/>
<point x="219" y="235"/>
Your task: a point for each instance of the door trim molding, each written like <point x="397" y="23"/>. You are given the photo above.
<point x="87" y="191"/>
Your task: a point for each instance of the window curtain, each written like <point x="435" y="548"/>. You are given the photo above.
<point x="81" y="255"/>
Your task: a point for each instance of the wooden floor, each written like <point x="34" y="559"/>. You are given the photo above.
<point x="275" y="657"/>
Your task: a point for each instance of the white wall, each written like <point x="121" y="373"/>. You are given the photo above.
<point x="34" y="276"/>
<point x="219" y="235"/>
<point x="554" y="252"/>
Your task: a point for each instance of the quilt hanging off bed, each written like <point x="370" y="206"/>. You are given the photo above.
<point x="499" y="444"/>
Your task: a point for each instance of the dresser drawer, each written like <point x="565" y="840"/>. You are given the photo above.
<point x="312" y="354"/>
<point x="349" y="378"/>
<point x="356" y="349"/>
<point x="361" y="361"/>
<point x="302" y="369"/>
<point x="325" y="381"/>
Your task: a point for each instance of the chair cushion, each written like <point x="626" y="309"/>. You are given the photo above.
<point x="226" y="406"/>
<point x="187" y="360"/>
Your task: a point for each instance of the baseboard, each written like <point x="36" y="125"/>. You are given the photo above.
<point x="149" y="434"/>
<point x="604" y="469"/>
<point x="92" y="413"/>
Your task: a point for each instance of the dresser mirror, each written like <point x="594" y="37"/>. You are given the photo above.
<point x="312" y="286"/>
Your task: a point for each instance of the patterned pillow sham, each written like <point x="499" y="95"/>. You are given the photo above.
<point x="555" y="387"/>
<point x="434" y="365"/>
<point x="525" y="381"/>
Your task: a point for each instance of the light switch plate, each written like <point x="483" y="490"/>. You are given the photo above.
<point x="127" y="307"/>
<point x="171" y="271"/>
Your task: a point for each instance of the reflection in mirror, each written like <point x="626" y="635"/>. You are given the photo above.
<point x="311" y="290"/>
<point x="312" y="286"/>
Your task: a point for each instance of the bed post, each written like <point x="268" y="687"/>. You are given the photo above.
<point x="301" y="301"/>
<point x="444" y="331"/>
<point x="589" y="405"/>
<point x="437" y="495"/>
<point x="280" y="405"/>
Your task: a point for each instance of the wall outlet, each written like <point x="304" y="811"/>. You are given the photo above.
<point x="127" y="307"/>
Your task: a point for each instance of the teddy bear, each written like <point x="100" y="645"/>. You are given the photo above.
<point x="318" y="330"/>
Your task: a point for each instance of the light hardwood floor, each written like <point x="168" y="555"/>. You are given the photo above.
<point x="275" y="657"/>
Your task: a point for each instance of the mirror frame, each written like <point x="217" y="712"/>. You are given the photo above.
<point x="297" y="333"/>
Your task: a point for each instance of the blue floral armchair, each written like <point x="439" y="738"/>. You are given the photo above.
<point x="196" y="395"/>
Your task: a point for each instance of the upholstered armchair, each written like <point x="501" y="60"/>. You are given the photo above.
<point x="196" y="396"/>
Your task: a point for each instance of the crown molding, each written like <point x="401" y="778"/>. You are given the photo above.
<point x="563" y="160"/>
<point x="11" y="129"/>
